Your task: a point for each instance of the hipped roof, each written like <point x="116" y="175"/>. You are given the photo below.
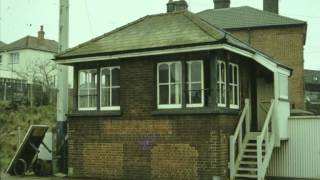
<point x="245" y="17"/>
<point x="30" y="42"/>
<point x="156" y="32"/>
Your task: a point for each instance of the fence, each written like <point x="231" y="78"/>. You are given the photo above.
<point x="21" y="92"/>
<point x="299" y="156"/>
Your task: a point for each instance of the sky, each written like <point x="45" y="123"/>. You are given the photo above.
<point x="91" y="18"/>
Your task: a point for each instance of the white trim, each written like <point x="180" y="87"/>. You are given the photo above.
<point x="96" y="79"/>
<point x="189" y="84"/>
<point x="87" y="108"/>
<point x="220" y="83"/>
<point x="108" y="108"/>
<point x="235" y="86"/>
<point x="168" y="106"/>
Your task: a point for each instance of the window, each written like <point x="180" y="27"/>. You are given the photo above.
<point x="87" y="89"/>
<point x="169" y="85"/>
<point x="14" y="58"/>
<point x="0" y="59"/>
<point x="110" y="88"/>
<point x="233" y="75"/>
<point x="221" y="84"/>
<point x="283" y="86"/>
<point x="195" y="87"/>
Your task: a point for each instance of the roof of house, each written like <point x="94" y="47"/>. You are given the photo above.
<point x="245" y="17"/>
<point x="153" y="31"/>
<point x="30" y="42"/>
<point x="311" y="77"/>
<point x="2" y="44"/>
<point x="158" y="32"/>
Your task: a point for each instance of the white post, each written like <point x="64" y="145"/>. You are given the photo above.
<point x="232" y="156"/>
<point x="62" y="96"/>
<point x="248" y="115"/>
<point x="259" y="156"/>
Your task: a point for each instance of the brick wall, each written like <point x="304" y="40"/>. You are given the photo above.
<point x="285" y="44"/>
<point x="139" y="145"/>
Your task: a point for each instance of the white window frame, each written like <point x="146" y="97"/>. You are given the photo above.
<point x="108" y="108"/>
<point x="14" y="58"/>
<point x="189" y="84"/>
<point x="168" y="106"/>
<point x="86" y="108"/>
<point x="220" y="82"/>
<point x="234" y="86"/>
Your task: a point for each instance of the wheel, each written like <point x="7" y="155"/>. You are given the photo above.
<point x="20" y="167"/>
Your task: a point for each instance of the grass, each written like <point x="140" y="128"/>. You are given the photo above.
<point x="13" y="118"/>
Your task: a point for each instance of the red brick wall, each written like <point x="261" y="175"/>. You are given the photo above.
<point x="284" y="44"/>
<point x="139" y="145"/>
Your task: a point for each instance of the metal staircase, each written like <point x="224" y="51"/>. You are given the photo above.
<point x="250" y="152"/>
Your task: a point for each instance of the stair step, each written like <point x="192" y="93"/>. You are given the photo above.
<point x="249" y="156"/>
<point x="247" y="169"/>
<point x="246" y="176"/>
<point x="252" y="150"/>
<point x="248" y="162"/>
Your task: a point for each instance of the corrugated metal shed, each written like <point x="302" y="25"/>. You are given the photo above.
<point x="299" y="157"/>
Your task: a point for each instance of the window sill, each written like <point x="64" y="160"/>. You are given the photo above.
<point x="94" y="113"/>
<point x="195" y="111"/>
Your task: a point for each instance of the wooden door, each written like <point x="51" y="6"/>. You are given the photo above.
<point x="265" y="92"/>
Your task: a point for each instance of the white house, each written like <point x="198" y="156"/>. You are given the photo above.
<point x="20" y="58"/>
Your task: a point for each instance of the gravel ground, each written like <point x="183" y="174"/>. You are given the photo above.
<point x="30" y="177"/>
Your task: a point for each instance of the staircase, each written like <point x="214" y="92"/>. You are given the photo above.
<point x="250" y="152"/>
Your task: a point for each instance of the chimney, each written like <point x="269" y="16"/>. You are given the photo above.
<point x="271" y="6"/>
<point x="219" y="4"/>
<point x="41" y="33"/>
<point x="173" y="6"/>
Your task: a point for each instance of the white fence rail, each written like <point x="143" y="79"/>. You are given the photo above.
<point x="299" y="157"/>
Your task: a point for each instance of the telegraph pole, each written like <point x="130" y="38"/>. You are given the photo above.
<point x="62" y="96"/>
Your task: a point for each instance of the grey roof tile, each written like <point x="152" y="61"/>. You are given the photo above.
<point x="242" y="17"/>
<point x="30" y="42"/>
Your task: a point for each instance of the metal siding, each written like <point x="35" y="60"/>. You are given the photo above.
<point x="298" y="157"/>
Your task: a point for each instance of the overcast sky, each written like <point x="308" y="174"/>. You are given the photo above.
<point x="90" y="18"/>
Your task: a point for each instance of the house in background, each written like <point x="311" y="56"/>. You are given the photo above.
<point x="24" y="62"/>
<point x="280" y="37"/>
<point x="312" y="90"/>
<point x="170" y="96"/>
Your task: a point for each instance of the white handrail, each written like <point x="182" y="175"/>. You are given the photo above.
<point x="267" y="138"/>
<point x="238" y="137"/>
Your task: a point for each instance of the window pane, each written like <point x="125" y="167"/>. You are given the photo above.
<point x="164" y="73"/>
<point x="223" y="94"/>
<point x="235" y="72"/>
<point x="236" y="95"/>
<point x="196" y="93"/>
<point x="116" y="77"/>
<point x="175" y="94"/>
<point x="223" y="78"/>
<point x="231" y="94"/>
<point x="175" y="72"/>
<point x="230" y="70"/>
<point x="164" y="94"/>
<point x="105" y="97"/>
<point x="115" y="96"/>
<point x="105" y="77"/>
<point x="92" y="98"/>
<point x="195" y="71"/>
